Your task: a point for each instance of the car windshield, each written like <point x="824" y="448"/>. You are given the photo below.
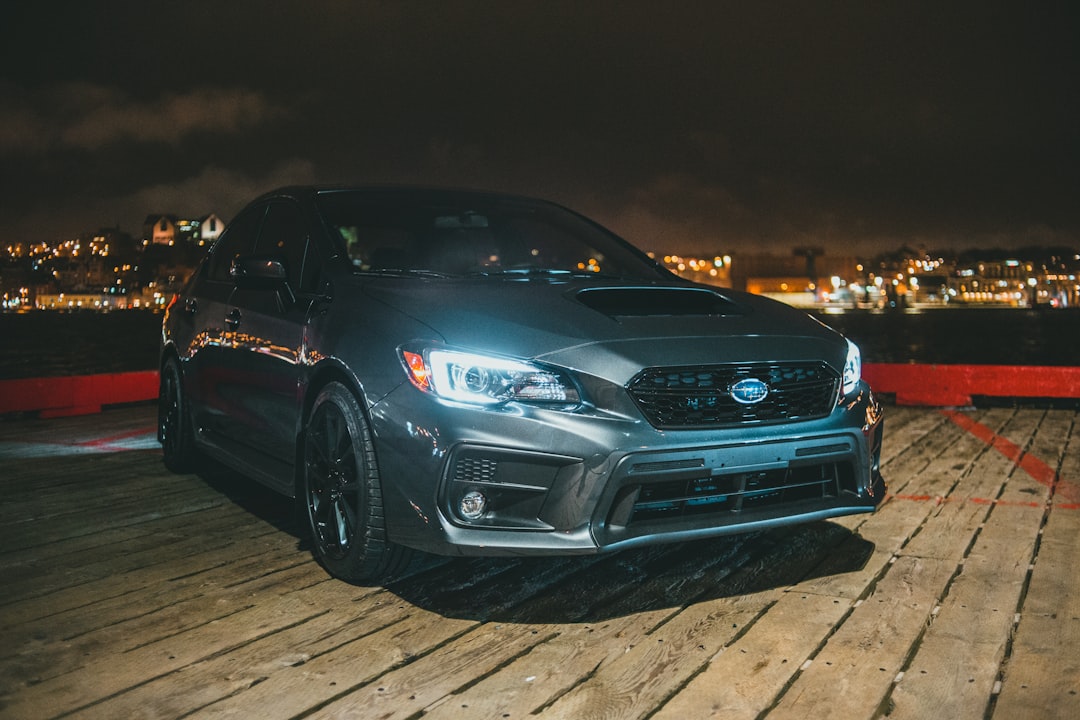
<point x="426" y="233"/>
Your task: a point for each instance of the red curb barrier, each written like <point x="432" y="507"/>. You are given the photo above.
<point x="926" y="385"/>
<point x="76" y="394"/>
<point x="954" y="385"/>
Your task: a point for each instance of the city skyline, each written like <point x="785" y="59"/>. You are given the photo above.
<point x="859" y="129"/>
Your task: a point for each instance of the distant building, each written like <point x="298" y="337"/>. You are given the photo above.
<point x="1019" y="282"/>
<point x="81" y="301"/>
<point x="802" y="271"/>
<point x="210" y="228"/>
<point x="173" y="230"/>
<point x="161" y="229"/>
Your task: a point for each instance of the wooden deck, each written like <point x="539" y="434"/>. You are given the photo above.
<point x="132" y="593"/>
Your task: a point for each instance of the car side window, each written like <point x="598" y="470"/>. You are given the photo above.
<point x="238" y="239"/>
<point x="284" y="235"/>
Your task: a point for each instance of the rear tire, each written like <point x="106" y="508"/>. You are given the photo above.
<point x="341" y="492"/>
<point x="175" y="431"/>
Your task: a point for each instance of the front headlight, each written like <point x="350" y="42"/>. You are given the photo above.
<point x="484" y="380"/>
<point x="852" y="368"/>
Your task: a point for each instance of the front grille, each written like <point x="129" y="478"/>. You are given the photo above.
<point x="734" y="495"/>
<point x="700" y="397"/>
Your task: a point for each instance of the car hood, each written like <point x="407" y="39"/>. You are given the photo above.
<point x="610" y="330"/>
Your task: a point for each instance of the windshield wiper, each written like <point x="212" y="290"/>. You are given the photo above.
<point x="404" y="272"/>
<point x="525" y="272"/>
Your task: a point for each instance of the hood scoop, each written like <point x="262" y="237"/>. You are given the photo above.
<point x="657" y="302"/>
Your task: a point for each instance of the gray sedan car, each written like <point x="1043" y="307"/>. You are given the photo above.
<point x="468" y="373"/>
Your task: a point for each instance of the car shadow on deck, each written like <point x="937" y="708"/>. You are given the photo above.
<point x="590" y="588"/>
<point x="604" y="587"/>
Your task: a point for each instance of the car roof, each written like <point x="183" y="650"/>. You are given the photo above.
<point x="308" y="192"/>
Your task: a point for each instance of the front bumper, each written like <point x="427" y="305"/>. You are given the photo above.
<point x="563" y="483"/>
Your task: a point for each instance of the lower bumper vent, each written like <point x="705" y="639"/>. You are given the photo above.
<point x="734" y="495"/>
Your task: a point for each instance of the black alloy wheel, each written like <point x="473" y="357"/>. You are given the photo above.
<point x="342" y="494"/>
<point x="174" y="422"/>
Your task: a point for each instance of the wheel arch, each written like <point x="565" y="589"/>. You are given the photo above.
<point x="168" y="355"/>
<point x="382" y="556"/>
<point x="321" y="376"/>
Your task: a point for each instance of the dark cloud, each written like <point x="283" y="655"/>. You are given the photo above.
<point x="690" y="125"/>
<point x="85" y="116"/>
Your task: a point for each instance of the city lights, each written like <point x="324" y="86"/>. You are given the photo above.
<point x="106" y="270"/>
<point x="925" y="281"/>
<point x="110" y="270"/>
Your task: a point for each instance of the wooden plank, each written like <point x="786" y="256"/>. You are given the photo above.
<point x="906" y="428"/>
<point x="155" y="558"/>
<point x="473" y="593"/>
<point x="57" y="630"/>
<point x="91" y="563"/>
<point x="855" y="670"/>
<point x="106" y="671"/>
<point x="72" y="431"/>
<point x="631" y="685"/>
<point x="548" y="671"/>
<point x="745" y="678"/>
<point x="451" y="653"/>
<point x="954" y="672"/>
<point x="653" y="666"/>
<point x="963" y="507"/>
<point x="72" y="653"/>
<point x="872" y="645"/>
<point x="286" y="672"/>
<point x="116" y="507"/>
<point x="906" y="473"/>
<point x="218" y="612"/>
<point x="92" y="571"/>
<point x="959" y="658"/>
<point x="676" y="578"/>
<point x="669" y="652"/>
<point x="1041" y="677"/>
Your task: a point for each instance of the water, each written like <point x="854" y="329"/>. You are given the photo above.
<point x="42" y="343"/>
<point x="47" y="343"/>
<point x="968" y="336"/>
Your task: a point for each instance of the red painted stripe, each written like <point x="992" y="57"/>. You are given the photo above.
<point x="1033" y="466"/>
<point x="939" y="500"/>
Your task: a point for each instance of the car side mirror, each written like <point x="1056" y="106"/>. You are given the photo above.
<point x="258" y="272"/>
<point x="264" y="273"/>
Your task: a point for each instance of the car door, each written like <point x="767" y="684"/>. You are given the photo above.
<point x="262" y="368"/>
<point x="204" y="310"/>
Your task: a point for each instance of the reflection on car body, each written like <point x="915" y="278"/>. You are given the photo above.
<point x="470" y="373"/>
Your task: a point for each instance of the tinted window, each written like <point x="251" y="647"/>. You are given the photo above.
<point x="472" y="233"/>
<point x="284" y="235"/>
<point x="238" y="239"/>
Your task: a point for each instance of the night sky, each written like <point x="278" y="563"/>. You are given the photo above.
<point x="734" y="127"/>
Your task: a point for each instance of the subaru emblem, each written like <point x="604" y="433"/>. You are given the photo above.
<point x="749" y="391"/>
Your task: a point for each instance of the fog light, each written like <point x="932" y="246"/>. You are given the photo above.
<point x="473" y="505"/>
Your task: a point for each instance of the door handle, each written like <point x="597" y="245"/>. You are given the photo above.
<point x="232" y="320"/>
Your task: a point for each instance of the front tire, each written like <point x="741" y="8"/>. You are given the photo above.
<point x="175" y="431"/>
<point x="342" y="494"/>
